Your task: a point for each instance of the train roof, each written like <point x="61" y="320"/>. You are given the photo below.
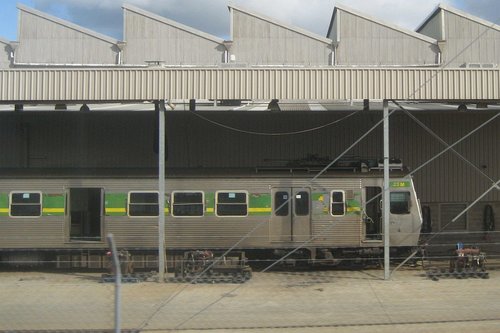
<point x="198" y="173"/>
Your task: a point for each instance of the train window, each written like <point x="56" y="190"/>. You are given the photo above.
<point x="25" y="204"/>
<point x="232" y="203"/>
<point x="338" y="203"/>
<point x="143" y="204"/>
<point x="281" y="202"/>
<point x="187" y="204"/>
<point x="301" y="203"/>
<point x="400" y="202"/>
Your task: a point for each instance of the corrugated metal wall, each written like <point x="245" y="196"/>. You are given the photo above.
<point x="126" y="140"/>
<point x="253" y="84"/>
<point x="433" y="27"/>
<point x="364" y="42"/>
<point x="151" y="40"/>
<point x="78" y="140"/>
<point x="447" y="179"/>
<point x="42" y="41"/>
<point x="4" y="54"/>
<point x="259" y="42"/>
<point x="470" y="42"/>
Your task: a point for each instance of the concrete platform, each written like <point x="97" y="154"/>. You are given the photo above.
<point x="322" y="301"/>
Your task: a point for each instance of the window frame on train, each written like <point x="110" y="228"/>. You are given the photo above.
<point x="173" y="204"/>
<point x="396" y="210"/>
<point x="305" y="203"/>
<point x="20" y="204"/>
<point x="229" y="204"/>
<point x="148" y="204"/>
<point x="281" y="204"/>
<point x="343" y="202"/>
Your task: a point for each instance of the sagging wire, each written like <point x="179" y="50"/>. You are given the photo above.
<point x="300" y="246"/>
<point x="267" y="134"/>
<point x="303" y="244"/>
<point x="421" y="124"/>
<point x="308" y="130"/>
<point x="448" y="147"/>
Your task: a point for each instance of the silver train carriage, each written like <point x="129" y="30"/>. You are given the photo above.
<point x="66" y="219"/>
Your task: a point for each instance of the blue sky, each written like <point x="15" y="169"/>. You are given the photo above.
<point x="105" y="16"/>
<point x="8" y="18"/>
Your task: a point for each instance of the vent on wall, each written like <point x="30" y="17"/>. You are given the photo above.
<point x="479" y="65"/>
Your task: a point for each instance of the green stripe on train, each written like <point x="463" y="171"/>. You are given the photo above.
<point x="115" y="204"/>
<point x="53" y="204"/>
<point x="209" y="203"/>
<point x="259" y="204"/>
<point x="4" y="204"/>
<point x="353" y="207"/>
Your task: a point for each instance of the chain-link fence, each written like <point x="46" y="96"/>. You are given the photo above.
<point x="319" y="299"/>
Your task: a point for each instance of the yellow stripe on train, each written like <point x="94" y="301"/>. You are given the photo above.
<point x="53" y="210"/>
<point x="259" y="210"/>
<point x="116" y="210"/>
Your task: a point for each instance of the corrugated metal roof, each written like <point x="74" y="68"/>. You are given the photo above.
<point x="67" y="24"/>
<point x="110" y="85"/>
<point x="173" y="23"/>
<point x="279" y="23"/>
<point x="459" y="13"/>
<point x="380" y="22"/>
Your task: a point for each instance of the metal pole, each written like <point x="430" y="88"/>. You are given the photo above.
<point x="386" y="195"/>
<point x="160" y="106"/>
<point x="118" y="283"/>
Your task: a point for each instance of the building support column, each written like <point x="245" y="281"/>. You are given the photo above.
<point x="386" y="194"/>
<point x="160" y="108"/>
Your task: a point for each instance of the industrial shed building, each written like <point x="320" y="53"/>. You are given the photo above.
<point x="361" y="40"/>
<point x="274" y="60"/>
<point x="152" y="38"/>
<point x="465" y="40"/>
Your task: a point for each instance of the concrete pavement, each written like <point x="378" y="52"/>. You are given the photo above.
<point x="322" y="301"/>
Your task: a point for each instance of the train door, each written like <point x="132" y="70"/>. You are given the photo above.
<point x="85" y="214"/>
<point x="291" y="216"/>
<point x="372" y="216"/>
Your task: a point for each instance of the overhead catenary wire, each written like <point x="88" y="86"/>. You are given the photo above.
<point x="448" y="147"/>
<point x="307" y="130"/>
<point x="300" y="246"/>
<point x="421" y="124"/>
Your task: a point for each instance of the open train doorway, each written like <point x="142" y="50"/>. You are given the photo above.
<point x="85" y="214"/>
<point x="373" y="213"/>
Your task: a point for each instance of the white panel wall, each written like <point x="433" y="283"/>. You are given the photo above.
<point x="42" y="41"/>
<point x="4" y="54"/>
<point x="260" y="42"/>
<point x="151" y="40"/>
<point x="468" y="41"/>
<point x="364" y="42"/>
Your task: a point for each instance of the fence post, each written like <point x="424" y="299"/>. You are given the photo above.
<point x="118" y="282"/>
